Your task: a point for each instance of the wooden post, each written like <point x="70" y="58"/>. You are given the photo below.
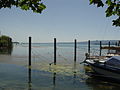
<point x="116" y="44"/>
<point x="89" y="47"/>
<point x="109" y="46"/>
<point x="75" y="47"/>
<point x="54" y="51"/>
<point x="29" y="68"/>
<point x="109" y="43"/>
<point x="100" y="47"/>
<point x="29" y="52"/>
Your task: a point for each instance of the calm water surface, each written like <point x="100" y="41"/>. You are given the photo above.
<point x="66" y="75"/>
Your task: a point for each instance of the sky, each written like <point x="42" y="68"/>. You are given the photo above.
<point x="64" y="20"/>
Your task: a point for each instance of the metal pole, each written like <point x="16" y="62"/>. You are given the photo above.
<point x="75" y="47"/>
<point x="54" y="51"/>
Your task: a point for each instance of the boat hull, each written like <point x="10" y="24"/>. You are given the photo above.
<point x="104" y="71"/>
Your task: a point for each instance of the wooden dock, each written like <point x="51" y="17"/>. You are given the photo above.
<point x="111" y="48"/>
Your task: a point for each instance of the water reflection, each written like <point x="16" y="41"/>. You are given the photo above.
<point x="54" y="79"/>
<point x="101" y="83"/>
<point x="7" y="51"/>
<point x="74" y="71"/>
<point x="29" y="79"/>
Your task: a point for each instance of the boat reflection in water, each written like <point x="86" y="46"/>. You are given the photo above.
<point x="97" y="83"/>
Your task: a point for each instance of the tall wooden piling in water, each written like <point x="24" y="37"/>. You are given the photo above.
<point x="54" y="51"/>
<point x="29" y="52"/>
<point x="75" y="50"/>
<point x="109" y="43"/>
<point x="29" y="65"/>
<point x="109" y="46"/>
<point x="89" y="47"/>
<point x="100" y="47"/>
<point x="116" y="44"/>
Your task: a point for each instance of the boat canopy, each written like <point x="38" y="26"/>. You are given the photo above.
<point x="113" y="61"/>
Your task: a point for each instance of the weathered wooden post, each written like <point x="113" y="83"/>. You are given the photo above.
<point x="89" y="47"/>
<point x="116" y="44"/>
<point x="109" y="46"/>
<point x="109" y="43"/>
<point x="29" y="67"/>
<point x="54" y="51"/>
<point x="75" y="50"/>
<point x="29" y="52"/>
<point x="100" y="47"/>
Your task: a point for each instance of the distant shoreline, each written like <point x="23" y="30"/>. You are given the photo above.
<point x="94" y="42"/>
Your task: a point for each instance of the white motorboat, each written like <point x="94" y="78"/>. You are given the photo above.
<point x="107" y="66"/>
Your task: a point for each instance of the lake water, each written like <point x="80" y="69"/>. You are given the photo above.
<point x="66" y="75"/>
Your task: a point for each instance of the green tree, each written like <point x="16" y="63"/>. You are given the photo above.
<point x="113" y="9"/>
<point x="6" y="45"/>
<point x="5" y="41"/>
<point x="34" y="5"/>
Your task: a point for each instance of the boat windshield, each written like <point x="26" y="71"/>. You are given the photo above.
<point x="114" y="61"/>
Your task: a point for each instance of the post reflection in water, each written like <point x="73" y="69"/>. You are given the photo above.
<point x="74" y="72"/>
<point x="54" y="79"/>
<point x="29" y="79"/>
